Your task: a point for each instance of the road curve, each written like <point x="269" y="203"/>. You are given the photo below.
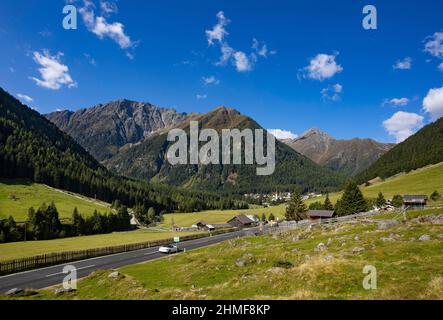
<point x="50" y="276"/>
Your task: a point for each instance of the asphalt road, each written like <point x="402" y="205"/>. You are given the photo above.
<point x="50" y="276"/>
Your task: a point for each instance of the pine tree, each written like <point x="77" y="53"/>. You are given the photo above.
<point x="151" y="215"/>
<point x="263" y="217"/>
<point x="381" y="201"/>
<point x="352" y="201"/>
<point x="397" y="201"/>
<point x="435" y="196"/>
<point x="296" y="209"/>
<point x="328" y="204"/>
<point x="271" y="217"/>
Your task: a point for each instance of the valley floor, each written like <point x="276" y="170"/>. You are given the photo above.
<point x="291" y="265"/>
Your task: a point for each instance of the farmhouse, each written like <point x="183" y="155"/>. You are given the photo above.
<point x="414" y="201"/>
<point x="243" y="221"/>
<point x="320" y="214"/>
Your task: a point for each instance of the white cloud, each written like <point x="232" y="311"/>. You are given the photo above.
<point x="332" y="92"/>
<point x="338" y="88"/>
<point x="90" y="59"/>
<point x="322" y="67"/>
<point x="210" y="80"/>
<point x="53" y="73"/>
<point x="100" y="26"/>
<point x="404" y="64"/>
<point x="402" y="125"/>
<point x="262" y="49"/>
<point x="25" y="97"/>
<point x="433" y="103"/>
<point x="115" y="31"/>
<point x="108" y="7"/>
<point x="440" y="67"/>
<point x="242" y="62"/>
<point x="227" y="53"/>
<point x="398" y="101"/>
<point x="201" y="96"/>
<point x="434" y="45"/>
<point x="218" y="32"/>
<point x="282" y="134"/>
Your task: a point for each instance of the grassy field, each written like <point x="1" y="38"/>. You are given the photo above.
<point x="421" y="181"/>
<point x="284" y="266"/>
<point x="15" y="250"/>
<point x="218" y="216"/>
<point x="33" y="195"/>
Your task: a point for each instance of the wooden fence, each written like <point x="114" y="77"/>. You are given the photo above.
<point x="50" y="259"/>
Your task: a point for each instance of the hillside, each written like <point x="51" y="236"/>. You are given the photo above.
<point x="105" y="128"/>
<point x="421" y="181"/>
<point x="31" y="147"/>
<point x="147" y="161"/>
<point x="345" y="156"/>
<point x="422" y="149"/>
<point x="28" y="194"/>
<point x="288" y="266"/>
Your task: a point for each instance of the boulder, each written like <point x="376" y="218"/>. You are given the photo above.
<point x="14" y="292"/>
<point x="358" y="250"/>
<point x="247" y="258"/>
<point x="114" y="274"/>
<point x="432" y="218"/>
<point x="425" y="237"/>
<point x="387" y="224"/>
<point x="275" y="270"/>
<point x="63" y="290"/>
<point x="321" y="247"/>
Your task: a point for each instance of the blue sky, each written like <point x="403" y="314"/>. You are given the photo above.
<point x="312" y="64"/>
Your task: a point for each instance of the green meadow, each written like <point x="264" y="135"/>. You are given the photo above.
<point x="287" y="266"/>
<point x="28" y="194"/>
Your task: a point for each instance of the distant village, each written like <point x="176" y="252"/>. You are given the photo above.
<point x="278" y="197"/>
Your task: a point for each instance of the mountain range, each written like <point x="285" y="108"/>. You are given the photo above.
<point x="105" y="128"/>
<point x="348" y="157"/>
<point x="139" y="150"/>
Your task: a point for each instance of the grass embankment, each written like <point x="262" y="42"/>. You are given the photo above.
<point x="423" y="181"/>
<point x="406" y="267"/>
<point x="30" y="194"/>
<point x="15" y="250"/>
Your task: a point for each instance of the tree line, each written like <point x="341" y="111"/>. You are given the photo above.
<point x="45" y="224"/>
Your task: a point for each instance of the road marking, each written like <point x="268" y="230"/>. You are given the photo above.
<point x="148" y="254"/>
<point x="55" y="274"/>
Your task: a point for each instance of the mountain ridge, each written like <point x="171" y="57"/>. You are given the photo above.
<point x="104" y="128"/>
<point x="348" y="157"/>
<point x="423" y="148"/>
<point x="147" y="161"/>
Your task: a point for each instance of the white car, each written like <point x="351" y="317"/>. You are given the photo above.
<point x="168" y="249"/>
